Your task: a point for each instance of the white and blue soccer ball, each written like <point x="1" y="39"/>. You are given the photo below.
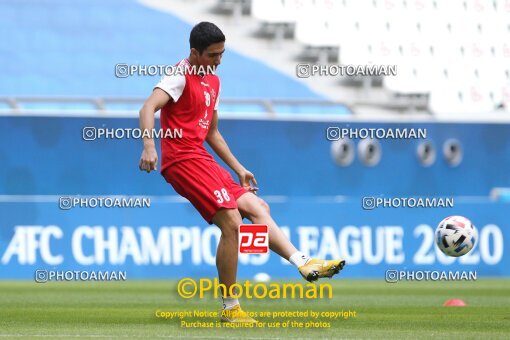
<point x="456" y="236"/>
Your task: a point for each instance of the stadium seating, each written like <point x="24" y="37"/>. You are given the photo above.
<point x="437" y="45"/>
<point x="70" y="48"/>
<point x="275" y="12"/>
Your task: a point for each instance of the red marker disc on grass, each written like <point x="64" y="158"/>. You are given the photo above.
<point x="454" y="303"/>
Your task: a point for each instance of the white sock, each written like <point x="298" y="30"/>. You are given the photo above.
<point x="229" y="302"/>
<point x="299" y="259"/>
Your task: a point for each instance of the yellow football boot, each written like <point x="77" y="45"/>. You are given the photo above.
<point x="236" y="314"/>
<point x="315" y="269"/>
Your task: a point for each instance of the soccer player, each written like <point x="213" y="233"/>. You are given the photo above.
<point x="189" y="101"/>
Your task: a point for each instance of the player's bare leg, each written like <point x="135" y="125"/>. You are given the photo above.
<point x="257" y="210"/>
<point x="228" y="220"/>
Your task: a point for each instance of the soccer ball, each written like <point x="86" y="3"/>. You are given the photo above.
<point x="456" y="236"/>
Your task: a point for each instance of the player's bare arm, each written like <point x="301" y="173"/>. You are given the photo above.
<point x="219" y="145"/>
<point x="156" y="101"/>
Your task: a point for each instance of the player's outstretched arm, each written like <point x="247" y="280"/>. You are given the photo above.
<point x="158" y="99"/>
<point x="219" y="145"/>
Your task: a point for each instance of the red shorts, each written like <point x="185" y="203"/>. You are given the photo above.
<point x="205" y="184"/>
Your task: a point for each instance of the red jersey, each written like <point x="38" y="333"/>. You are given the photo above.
<point x="194" y="100"/>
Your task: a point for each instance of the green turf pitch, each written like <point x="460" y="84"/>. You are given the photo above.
<point x="126" y="309"/>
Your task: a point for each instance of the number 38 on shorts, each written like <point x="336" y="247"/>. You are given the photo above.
<point x="222" y="195"/>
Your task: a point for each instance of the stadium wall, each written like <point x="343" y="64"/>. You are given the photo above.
<point x="317" y="202"/>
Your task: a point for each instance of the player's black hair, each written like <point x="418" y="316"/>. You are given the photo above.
<point x="205" y="34"/>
